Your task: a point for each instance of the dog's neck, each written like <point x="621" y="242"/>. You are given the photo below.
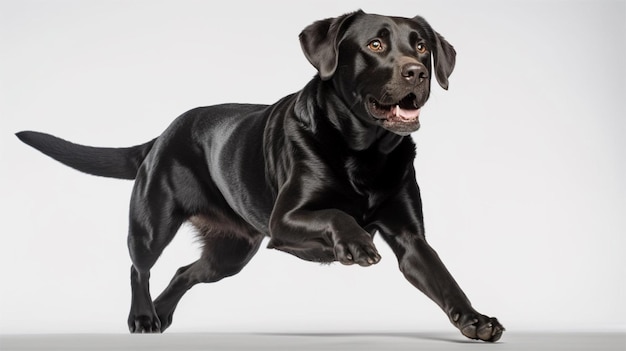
<point x="328" y="108"/>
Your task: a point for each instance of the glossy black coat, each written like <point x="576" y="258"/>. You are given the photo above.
<point x="320" y="172"/>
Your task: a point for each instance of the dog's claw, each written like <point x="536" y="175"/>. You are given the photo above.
<point x="477" y="326"/>
<point x="144" y="325"/>
<point x="357" y="249"/>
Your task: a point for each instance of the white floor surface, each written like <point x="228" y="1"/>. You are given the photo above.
<point x="314" y="341"/>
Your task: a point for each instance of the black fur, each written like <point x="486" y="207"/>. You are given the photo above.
<point x="121" y="163"/>
<point x="320" y="172"/>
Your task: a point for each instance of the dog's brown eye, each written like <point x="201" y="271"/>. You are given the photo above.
<point x="375" y="45"/>
<point x="421" y="48"/>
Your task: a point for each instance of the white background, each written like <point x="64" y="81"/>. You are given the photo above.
<point x="521" y="163"/>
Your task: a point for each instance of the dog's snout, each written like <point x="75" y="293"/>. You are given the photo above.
<point x="414" y="73"/>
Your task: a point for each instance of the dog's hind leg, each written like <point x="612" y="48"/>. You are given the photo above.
<point x="154" y="220"/>
<point x="226" y="251"/>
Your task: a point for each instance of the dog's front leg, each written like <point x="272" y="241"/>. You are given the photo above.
<point x="423" y="268"/>
<point x="318" y="232"/>
<point x="401" y="225"/>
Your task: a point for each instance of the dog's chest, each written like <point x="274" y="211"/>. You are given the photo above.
<point x="372" y="178"/>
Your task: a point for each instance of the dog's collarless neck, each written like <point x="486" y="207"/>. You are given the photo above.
<point x="322" y="111"/>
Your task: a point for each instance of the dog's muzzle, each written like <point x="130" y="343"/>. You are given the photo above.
<point x="401" y="117"/>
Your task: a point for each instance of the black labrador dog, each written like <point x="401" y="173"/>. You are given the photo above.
<point x="319" y="172"/>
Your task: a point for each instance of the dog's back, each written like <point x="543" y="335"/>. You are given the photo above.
<point x="321" y="171"/>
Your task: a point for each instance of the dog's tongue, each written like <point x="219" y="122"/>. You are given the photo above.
<point x="405" y="114"/>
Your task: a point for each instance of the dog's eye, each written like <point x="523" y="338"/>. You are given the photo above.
<point x="421" y="48"/>
<point x="375" y="45"/>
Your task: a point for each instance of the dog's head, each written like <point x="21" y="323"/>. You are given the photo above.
<point x="380" y="66"/>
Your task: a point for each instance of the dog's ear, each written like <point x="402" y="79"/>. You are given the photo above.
<point x="443" y="53"/>
<point x="445" y="58"/>
<point x="320" y="41"/>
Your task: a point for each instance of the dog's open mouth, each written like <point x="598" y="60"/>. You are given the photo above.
<point x="405" y="110"/>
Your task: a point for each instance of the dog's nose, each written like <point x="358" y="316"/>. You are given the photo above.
<point x="414" y="73"/>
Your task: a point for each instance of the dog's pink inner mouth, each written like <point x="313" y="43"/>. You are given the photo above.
<point x="405" y="110"/>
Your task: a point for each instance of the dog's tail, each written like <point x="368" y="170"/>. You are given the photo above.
<point x="122" y="163"/>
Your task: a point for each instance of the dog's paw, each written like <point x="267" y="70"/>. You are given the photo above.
<point x="144" y="324"/>
<point x="477" y="326"/>
<point x="165" y="317"/>
<point x="359" y="250"/>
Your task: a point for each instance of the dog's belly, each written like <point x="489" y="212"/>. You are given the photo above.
<point x="236" y="162"/>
